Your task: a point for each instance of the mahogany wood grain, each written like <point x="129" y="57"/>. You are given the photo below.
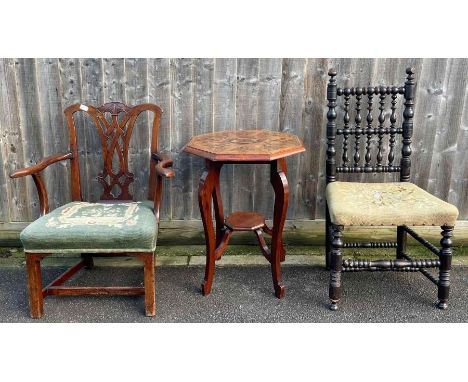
<point x="41" y="165"/>
<point x="42" y="193"/>
<point x="114" y="123"/>
<point x="34" y="171"/>
<point x="218" y="207"/>
<point x="148" y="260"/>
<point x="263" y="245"/>
<point x="36" y="300"/>
<point x="222" y="245"/>
<point x="205" y="192"/>
<point x="245" y="221"/>
<point x="94" y="291"/>
<point x="280" y="186"/>
<point x="69" y="273"/>
<point x="243" y="146"/>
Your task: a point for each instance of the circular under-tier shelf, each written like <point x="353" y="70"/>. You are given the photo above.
<point x="245" y="221"/>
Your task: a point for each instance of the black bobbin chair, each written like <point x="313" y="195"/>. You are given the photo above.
<point x="401" y="204"/>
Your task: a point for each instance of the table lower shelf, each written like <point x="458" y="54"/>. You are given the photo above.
<point x="245" y="221"/>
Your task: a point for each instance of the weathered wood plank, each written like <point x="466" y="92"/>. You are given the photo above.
<point x="311" y="165"/>
<point x="114" y="79"/>
<point x="70" y="79"/>
<point x="427" y="117"/>
<point x="93" y="94"/>
<point x="136" y="92"/>
<point x="459" y="177"/>
<point x="159" y="90"/>
<point x="268" y="116"/>
<point x="4" y="201"/>
<point x="218" y="94"/>
<point x="30" y="124"/>
<point x="55" y="137"/>
<point x="445" y="142"/>
<point x="203" y="77"/>
<point x="224" y="117"/>
<point x="11" y="141"/>
<point x="246" y="118"/>
<point x="182" y="197"/>
<point x="296" y="232"/>
<point x="291" y="121"/>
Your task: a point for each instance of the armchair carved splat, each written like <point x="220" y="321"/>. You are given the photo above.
<point x="401" y="204"/>
<point x="115" y="226"/>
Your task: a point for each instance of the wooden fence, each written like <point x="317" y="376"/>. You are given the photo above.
<point x="204" y="95"/>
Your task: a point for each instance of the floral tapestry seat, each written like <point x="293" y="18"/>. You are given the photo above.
<point x="387" y="204"/>
<point x="79" y="227"/>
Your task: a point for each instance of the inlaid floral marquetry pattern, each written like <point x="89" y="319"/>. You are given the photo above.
<point x="97" y="214"/>
<point x="245" y="145"/>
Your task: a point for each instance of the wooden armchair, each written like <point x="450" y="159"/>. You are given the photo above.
<point x="115" y="226"/>
<point x="401" y="204"/>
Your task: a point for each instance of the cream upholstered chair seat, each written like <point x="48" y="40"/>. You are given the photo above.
<point x="386" y="204"/>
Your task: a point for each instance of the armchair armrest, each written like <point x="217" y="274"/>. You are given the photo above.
<point x="41" y="165"/>
<point x="163" y="170"/>
<point x="34" y="171"/>
<point x="163" y="164"/>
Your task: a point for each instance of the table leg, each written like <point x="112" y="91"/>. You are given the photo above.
<point x="208" y="189"/>
<point x="280" y="185"/>
<point x="218" y="205"/>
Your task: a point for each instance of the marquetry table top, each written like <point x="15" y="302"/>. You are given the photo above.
<point x="244" y="145"/>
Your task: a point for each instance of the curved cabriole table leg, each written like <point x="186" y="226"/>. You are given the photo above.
<point x="205" y="191"/>
<point x="216" y="241"/>
<point x="280" y="186"/>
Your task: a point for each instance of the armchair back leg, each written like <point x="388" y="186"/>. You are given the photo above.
<point x="36" y="299"/>
<point x="445" y="256"/>
<point x="88" y="259"/>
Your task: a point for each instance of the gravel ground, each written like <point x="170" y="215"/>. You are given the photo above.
<point x="241" y="294"/>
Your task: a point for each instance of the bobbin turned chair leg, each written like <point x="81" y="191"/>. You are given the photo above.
<point x="328" y="239"/>
<point x="445" y="265"/>
<point x="336" y="266"/>
<point x="401" y="242"/>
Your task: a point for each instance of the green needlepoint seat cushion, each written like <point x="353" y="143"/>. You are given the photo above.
<point x="80" y="227"/>
<point x="386" y="204"/>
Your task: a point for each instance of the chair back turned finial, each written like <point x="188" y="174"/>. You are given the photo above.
<point x="114" y="122"/>
<point x="362" y="123"/>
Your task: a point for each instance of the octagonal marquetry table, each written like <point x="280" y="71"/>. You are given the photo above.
<point x="246" y="147"/>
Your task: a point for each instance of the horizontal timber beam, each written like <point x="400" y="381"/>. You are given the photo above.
<point x="296" y="232"/>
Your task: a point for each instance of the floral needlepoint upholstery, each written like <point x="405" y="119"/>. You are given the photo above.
<point x="402" y="203"/>
<point x="93" y="227"/>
